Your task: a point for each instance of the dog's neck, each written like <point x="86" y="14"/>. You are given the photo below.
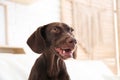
<point x="54" y="62"/>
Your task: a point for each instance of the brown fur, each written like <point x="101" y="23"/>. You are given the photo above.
<point x="49" y="40"/>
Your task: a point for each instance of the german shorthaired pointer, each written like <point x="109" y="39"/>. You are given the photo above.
<point x="55" y="42"/>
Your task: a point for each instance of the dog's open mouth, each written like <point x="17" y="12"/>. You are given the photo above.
<point x="65" y="53"/>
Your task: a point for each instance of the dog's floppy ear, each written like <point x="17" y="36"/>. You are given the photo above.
<point x="36" y="41"/>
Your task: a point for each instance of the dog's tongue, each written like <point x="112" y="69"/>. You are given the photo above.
<point x="64" y="52"/>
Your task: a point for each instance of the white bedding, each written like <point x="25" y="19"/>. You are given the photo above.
<point x="18" y="66"/>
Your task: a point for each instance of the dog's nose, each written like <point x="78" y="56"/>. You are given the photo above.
<point x="71" y="41"/>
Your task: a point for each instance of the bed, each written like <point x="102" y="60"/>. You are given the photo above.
<point x="18" y="66"/>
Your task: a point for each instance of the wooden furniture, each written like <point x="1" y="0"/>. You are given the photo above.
<point x="12" y="49"/>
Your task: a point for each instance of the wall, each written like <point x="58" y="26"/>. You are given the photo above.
<point x="118" y="7"/>
<point x="22" y="20"/>
<point x="2" y="24"/>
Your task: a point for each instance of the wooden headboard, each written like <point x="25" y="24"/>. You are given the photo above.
<point x="12" y="49"/>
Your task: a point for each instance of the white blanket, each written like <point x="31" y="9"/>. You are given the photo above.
<point x="18" y="66"/>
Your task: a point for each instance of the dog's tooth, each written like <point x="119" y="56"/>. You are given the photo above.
<point x="64" y="52"/>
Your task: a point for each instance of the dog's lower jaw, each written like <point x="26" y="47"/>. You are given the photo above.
<point x="64" y="53"/>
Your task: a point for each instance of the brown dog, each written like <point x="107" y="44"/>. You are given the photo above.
<point x="56" y="42"/>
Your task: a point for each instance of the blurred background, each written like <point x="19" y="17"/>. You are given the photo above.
<point x="96" y="24"/>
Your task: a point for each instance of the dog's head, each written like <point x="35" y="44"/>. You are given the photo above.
<point x="57" y="36"/>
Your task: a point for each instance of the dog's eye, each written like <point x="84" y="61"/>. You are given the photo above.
<point x="55" y="30"/>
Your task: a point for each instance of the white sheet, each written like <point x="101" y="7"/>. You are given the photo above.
<point x="17" y="67"/>
<point x="88" y="70"/>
